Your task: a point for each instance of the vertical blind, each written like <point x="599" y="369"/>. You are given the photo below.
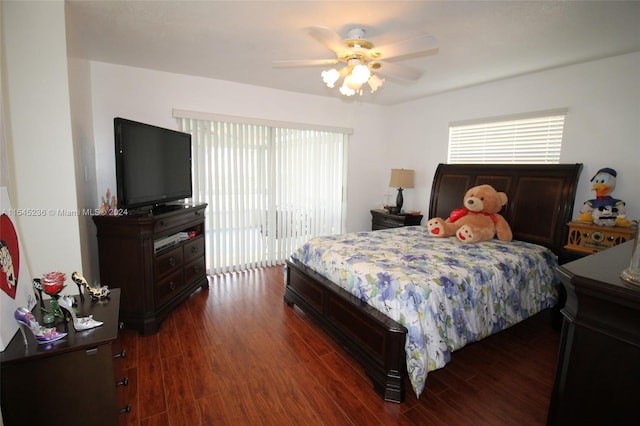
<point x="536" y="139"/>
<point x="268" y="189"/>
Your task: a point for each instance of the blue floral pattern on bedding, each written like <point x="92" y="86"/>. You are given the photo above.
<point x="445" y="292"/>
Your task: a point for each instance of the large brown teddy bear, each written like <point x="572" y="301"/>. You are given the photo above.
<point x="478" y="220"/>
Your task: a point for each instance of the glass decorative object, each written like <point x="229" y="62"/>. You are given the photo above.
<point x="52" y="284"/>
<point x="632" y="273"/>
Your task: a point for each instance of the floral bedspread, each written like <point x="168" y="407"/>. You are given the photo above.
<point x="445" y="292"/>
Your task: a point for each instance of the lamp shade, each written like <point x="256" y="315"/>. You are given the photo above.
<point x="401" y="178"/>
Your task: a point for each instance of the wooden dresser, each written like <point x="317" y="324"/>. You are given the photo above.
<point x="598" y="372"/>
<point x="75" y="380"/>
<point x="153" y="278"/>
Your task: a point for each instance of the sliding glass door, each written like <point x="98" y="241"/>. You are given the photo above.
<point x="268" y="189"/>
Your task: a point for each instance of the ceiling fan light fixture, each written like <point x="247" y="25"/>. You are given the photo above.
<point x="329" y="77"/>
<point x="346" y="90"/>
<point x="357" y="59"/>
<point x="375" y="82"/>
<point x="352" y="83"/>
<point x="360" y="74"/>
<point x="355" y="76"/>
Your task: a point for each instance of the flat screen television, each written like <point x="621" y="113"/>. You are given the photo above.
<point x="153" y="165"/>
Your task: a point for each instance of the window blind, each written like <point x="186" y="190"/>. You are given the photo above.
<point x="268" y="189"/>
<point x="524" y="140"/>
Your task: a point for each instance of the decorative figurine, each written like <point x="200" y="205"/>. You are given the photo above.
<point x="79" y="323"/>
<point x="109" y="205"/>
<point x="99" y="292"/>
<point x="37" y="285"/>
<point x="52" y="284"/>
<point x="604" y="210"/>
<point x="80" y="282"/>
<point x="26" y="320"/>
<point x="96" y="292"/>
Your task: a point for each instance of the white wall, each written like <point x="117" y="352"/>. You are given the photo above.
<point x="601" y="97"/>
<point x="602" y="128"/>
<point x="40" y="150"/>
<point x="85" y="162"/>
<point x="150" y="96"/>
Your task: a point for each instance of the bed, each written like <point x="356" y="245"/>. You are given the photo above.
<point x="398" y="323"/>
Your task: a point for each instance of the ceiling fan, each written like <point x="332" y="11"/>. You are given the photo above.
<point x="360" y="58"/>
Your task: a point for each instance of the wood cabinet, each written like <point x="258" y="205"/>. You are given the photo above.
<point x="68" y="381"/>
<point x="381" y="219"/>
<point x="598" y="369"/>
<point x="154" y="277"/>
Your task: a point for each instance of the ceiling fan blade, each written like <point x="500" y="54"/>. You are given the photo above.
<point x="392" y="70"/>
<point x="304" y="63"/>
<point x="412" y="46"/>
<point x="327" y="37"/>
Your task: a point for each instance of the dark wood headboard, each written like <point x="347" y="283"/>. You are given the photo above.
<point x="541" y="196"/>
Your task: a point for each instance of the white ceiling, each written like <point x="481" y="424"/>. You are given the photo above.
<point x="479" y="41"/>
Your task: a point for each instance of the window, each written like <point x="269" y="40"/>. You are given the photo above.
<point x="531" y="138"/>
<point x="269" y="187"/>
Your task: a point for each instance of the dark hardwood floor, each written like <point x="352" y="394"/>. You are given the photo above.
<point x="236" y="354"/>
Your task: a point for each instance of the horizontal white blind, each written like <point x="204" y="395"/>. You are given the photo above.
<point x="535" y="140"/>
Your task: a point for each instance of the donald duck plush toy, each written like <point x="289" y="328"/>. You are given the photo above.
<point x="604" y="210"/>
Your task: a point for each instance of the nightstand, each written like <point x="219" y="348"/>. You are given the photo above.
<point x="381" y="219"/>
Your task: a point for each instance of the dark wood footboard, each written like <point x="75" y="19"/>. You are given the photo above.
<point x="373" y="339"/>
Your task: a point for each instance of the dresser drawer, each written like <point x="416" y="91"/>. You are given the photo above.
<point x="195" y="269"/>
<point x="169" y="285"/>
<point x="169" y="261"/>
<point x="194" y="249"/>
<point x="166" y="224"/>
<point x="381" y="219"/>
<point x="386" y="222"/>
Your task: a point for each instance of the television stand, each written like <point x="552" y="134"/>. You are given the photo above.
<point x="152" y="282"/>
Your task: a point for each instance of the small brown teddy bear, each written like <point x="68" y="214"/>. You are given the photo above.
<point x="478" y="220"/>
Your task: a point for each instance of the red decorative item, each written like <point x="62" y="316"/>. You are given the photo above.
<point x="53" y="282"/>
<point x="457" y="214"/>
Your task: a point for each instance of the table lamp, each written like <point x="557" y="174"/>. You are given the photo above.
<point x="401" y="179"/>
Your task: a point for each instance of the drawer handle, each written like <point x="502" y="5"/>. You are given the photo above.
<point x="172" y="285"/>
<point x="194" y="249"/>
<point x="172" y="261"/>
<point x="122" y="354"/>
<point x="123" y="382"/>
<point x="126" y="410"/>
